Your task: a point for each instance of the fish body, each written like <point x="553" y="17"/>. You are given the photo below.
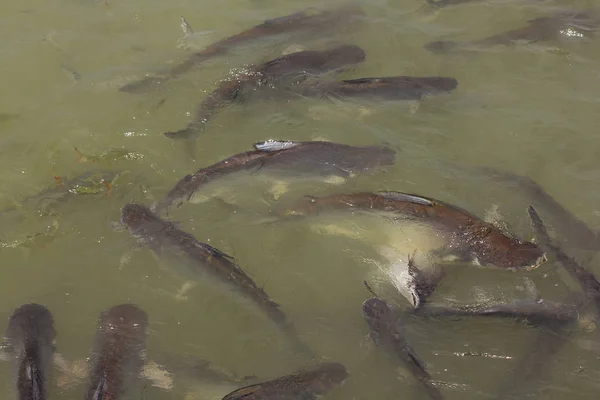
<point x="318" y="157"/>
<point x="387" y="332"/>
<point x="542" y="29"/>
<point x="303" y="385"/>
<point x="291" y="67"/>
<point x="306" y="20"/>
<point x="385" y="88"/>
<point x="469" y="234"/>
<point x="204" y="261"/>
<point x="30" y="342"/>
<point x="534" y="312"/>
<point x="119" y="353"/>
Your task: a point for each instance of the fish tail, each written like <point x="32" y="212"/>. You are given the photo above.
<point x="182" y="133"/>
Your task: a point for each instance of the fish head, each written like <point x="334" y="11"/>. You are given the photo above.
<point x="31" y="321"/>
<point x="135" y="215"/>
<point x="377" y="313"/>
<point x="511" y="254"/>
<point x="126" y="320"/>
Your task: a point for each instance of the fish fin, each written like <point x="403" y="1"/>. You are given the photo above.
<point x="411" y="198"/>
<point x="214" y="251"/>
<point x="274" y="145"/>
<point x="370" y="289"/>
<point x="186" y="27"/>
<point x="362" y="80"/>
<point x="243" y="392"/>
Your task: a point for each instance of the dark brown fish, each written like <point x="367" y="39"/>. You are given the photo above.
<point x="470" y="236"/>
<point x="541" y="29"/>
<point x="293" y="67"/>
<point x="308" y="20"/>
<point x="303" y="385"/>
<point x="386" y="88"/>
<point x="387" y="331"/>
<point x="118" y="355"/>
<point x="587" y="280"/>
<point x="30" y="344"/>
<point x="203" y="261"/>
<point x="533" y="312"/>
<point x="320" y="158"/>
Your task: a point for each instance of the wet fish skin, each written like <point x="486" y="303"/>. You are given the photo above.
<point x="586" y="279"/>
<point x="540" y="29"/>
<point x="534" y="312"/>
<point x="470" y="234"/>
<point x="387" y="332"/>
<point x="302" y="385"/>
<point x="119" y="352"/>
<point x="295" y="66"/>
<point x="30" y="338"/>
<point x="163" y="236"/>
<point x="298" y="21"/>
<point x="320" y="157"/>
<point x="386" y="88"/>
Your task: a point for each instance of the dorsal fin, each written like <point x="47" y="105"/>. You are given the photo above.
<point x="274" y="145"/>
<point x="31" y="380"/>
<point x="100" y="389"/>
<point x="410" y="198"/>
<point x="243" y="392"/>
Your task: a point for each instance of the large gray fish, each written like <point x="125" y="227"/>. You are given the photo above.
<point x="119" y="353"/>
<point x="303" y="385"/>
<point x="387" y="331"/>
<point x="532" y="311"/>
<point x="203" y="261"/>
<point x="384" y="88"/>
<point x="588" y="282"/>
<point x="292" y="67"/>
<point x="30" y="344"/>
<point x="318" y="158"/>
<point x="307" y="20"/>
<point x="572" y="228"/>
<point x="542" y="29"/>
<point x="470" y="237"/>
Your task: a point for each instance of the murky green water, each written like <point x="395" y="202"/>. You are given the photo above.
<point x="531" y="110"/>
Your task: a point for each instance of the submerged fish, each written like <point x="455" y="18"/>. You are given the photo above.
<point x="303" y="385"/>
<point x="534" y="312"/>
<point x="119" y="353"/>
<point x="300" y="21"/>
<point x="386" y="88"/>
<point x="387" y="331"/>
<point x="469" y="236"/>
<point x="295" y="67"/>
<point x="163" y="237"/>
<point x="318" y="157"/>
<point x="30" y="343"/>
<point x="587" y="280"/>
<point x="537" y="30"/>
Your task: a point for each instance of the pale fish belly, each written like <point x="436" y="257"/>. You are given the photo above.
<point x="395" y="242"/>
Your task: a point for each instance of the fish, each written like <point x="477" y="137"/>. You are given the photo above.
<point x="306" y="20"/>
<point x="386" y="88"/>
<point x="471" y="238"/>
<point x="294" y="67"/>
<point x="203" y="261"/>
<point x="577" y="233"/>
<point x="587" y="280"/>
<point x="316" y="157"/>
<point x="541" y="29"/>
<point x="532" y="311"/>
<point x="306" y="384"/>
<point x="386" y="330"/>
<point x="29" y="341"/>
<point x="118" y="355"/>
